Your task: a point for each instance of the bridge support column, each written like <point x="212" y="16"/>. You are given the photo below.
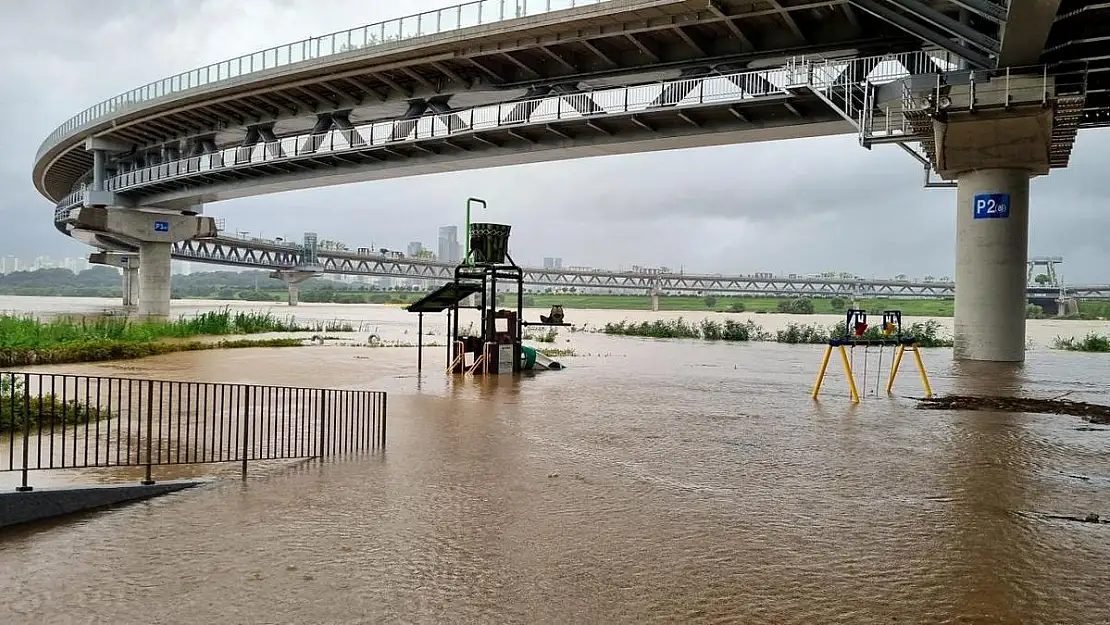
<point x="655" y="301"/>
<point x="129" y="263"/>
<point x="154" y="234"/>
<point x="95" y="195"/>
<point x="991" y="268"/>
<point x="991" y="137"/>
<point x="154" y="279"/>
<point x="292" y="279"/>
<point x="1067" y="306"/>
<point x="131" y="287"/>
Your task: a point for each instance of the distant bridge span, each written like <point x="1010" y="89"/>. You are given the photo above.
<point x="281" y="256"/>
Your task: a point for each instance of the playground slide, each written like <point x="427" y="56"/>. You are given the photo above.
<point x="534" y="360"/>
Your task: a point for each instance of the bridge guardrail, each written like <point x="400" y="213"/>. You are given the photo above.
<point x="458" y="17"/>
<point x="733" y="87"/>
<point x="58" y="421"/>
<point x="819" y="74"/>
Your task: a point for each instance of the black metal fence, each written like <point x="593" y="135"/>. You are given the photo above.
<point x="57" y="421"/>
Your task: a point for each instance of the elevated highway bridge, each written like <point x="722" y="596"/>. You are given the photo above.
<point x="983" y="94"/>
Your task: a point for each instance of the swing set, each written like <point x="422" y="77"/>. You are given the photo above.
<point x="890" y="334"/>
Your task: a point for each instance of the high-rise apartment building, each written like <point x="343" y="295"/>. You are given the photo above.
<point x="449" y="244"/>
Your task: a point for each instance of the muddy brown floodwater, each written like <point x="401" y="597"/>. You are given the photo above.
<point x="650" y="481"/>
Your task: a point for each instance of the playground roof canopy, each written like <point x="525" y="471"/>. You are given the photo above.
<point x="444" y="297"/>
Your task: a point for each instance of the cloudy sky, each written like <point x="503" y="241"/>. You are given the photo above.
<point x="764" y="207"/>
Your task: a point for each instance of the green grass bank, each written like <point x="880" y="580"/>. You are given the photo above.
<point x="25" y="340"/>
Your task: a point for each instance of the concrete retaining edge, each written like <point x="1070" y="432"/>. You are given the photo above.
<point x="17" y="508"/>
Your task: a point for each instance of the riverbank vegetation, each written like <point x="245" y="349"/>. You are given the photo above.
<point x="557" y="352"/>
<point x="542" y="336"/>
<point x="25" y="340"/>
<point x="17" y="408"/>
<point x="1092" y="342"/>
<point x="927" y="334"/>
<point x="259" y="287"/>
<point x="29" y="331"/>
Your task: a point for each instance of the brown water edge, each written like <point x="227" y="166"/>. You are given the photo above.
<point x="652" y="481"/>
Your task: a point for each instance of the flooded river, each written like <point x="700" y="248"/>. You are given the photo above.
<point x="650" y="481"/>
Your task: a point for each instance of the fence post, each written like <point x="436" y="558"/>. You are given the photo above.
<point x="382" y="434"/>
<point x="147" y="480"/>
<point x="23" y="487"/>
<point x="244" y="413"/>
<point x="320" y="425"/>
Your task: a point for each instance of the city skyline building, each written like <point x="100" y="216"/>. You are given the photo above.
<point x="12" y="264"/>
<point x="448" y="249"/>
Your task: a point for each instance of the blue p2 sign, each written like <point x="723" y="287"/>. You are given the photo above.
<point x="161" y="226"/>
<point x="991" y="206"/>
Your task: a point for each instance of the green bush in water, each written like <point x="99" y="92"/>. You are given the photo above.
<point x="659" y="329"/>
<point x="796" y="333"/>
<point x="1093" y="342"/>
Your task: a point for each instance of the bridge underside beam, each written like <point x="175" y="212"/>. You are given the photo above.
<point x="260" y="133"/>
<point x="661" y="128"/>
<point x="607" y="42"/>
<point x="974" y="57"/>
<point x="416" y="109"/>
<point x="1026" y="31"/>
<point x="439" y="106"/>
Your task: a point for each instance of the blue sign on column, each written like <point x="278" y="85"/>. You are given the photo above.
<point x="161" y="226"/>
<point x="991" y="206"/>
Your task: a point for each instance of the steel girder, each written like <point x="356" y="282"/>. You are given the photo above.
<point x="934" y="28"/>
<point x="240" y="253"/>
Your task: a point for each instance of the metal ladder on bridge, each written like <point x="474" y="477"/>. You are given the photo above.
<point x="852" y="96"/>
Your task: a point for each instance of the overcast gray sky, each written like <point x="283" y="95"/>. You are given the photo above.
<point x="737" y="209"/>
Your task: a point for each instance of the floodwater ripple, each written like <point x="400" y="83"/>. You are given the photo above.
<point x="661" y="482"/>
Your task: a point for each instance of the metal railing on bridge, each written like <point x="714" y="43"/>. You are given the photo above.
<point x="59" y="421"/>
<point x="687" y="92"/>
<point x="458" y="17"/>
<point x="837" y="81"/>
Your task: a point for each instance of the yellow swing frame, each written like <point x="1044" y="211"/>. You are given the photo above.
<point x="890" y="334"/>
<point x="895" y="366"/>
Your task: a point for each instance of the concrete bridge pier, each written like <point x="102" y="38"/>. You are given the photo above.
<point x="129" y="263"/>
<point x="154" y="233"/>
<point x="155" y="275"/>
<point x="655" y="291"/>
<point x="131" y="286"/>
<point x="992" y="154"/>
<point x="292" y="279"/>
<point x="990" y="304"/>
<point x="1067" y="306"/>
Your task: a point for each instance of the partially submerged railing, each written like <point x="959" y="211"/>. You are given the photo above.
<point x="58" y="421"/>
